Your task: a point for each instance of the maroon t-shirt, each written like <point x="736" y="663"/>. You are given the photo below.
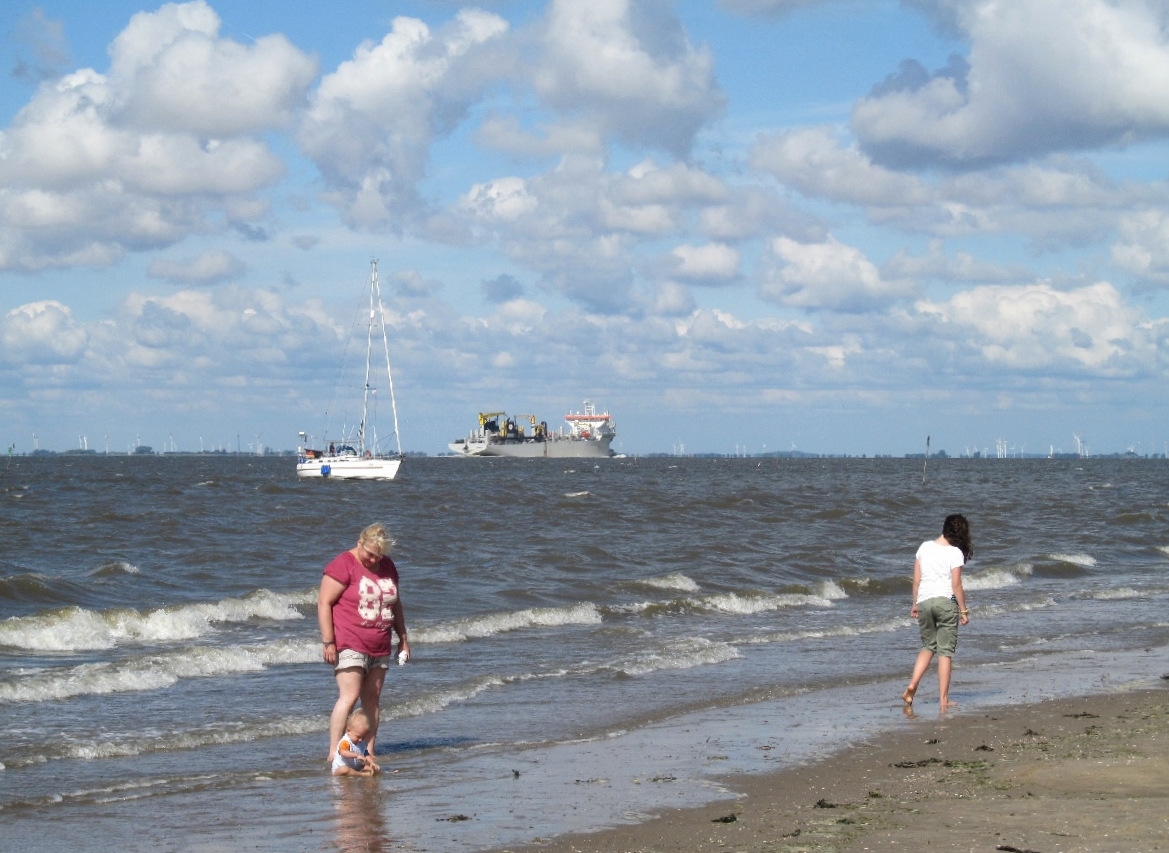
<point x="364" y="614"/>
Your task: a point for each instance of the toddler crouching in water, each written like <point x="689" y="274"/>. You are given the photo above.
<point x="351" y="757"/>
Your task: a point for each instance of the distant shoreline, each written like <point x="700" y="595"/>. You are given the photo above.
<point x="786" y="454"/>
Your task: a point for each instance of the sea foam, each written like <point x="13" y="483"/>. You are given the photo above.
<point x="1117" y="594"/>
<point x="72" y="629"/>
<point x="746" y="605"/>
<point x="997" y="578"/>
<point x="461" y="630"/>
<point x="1084" y="560"/>
<point x="883" y="626"/>
<point x="682" y="653"/>
<point x="676" y="581"/>
<point x="154" y="672"/>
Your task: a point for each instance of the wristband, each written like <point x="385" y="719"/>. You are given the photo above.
<point x="330" y="643"/>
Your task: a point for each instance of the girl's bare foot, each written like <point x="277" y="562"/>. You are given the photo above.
<point x="907" y="696"/>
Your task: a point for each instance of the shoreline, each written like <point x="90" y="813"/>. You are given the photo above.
<point x="1065" y="774"/>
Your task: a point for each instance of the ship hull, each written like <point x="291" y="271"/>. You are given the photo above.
<point x="563" y="448"/>
<point x="348" y="468"/>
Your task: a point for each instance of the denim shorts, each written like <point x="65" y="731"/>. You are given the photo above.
<point x="938" y="620"/>
<point x="349" y="659"/>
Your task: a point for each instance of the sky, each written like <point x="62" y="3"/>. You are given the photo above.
<point x="740" y="226"/>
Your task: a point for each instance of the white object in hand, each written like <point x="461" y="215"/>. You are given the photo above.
<point x="403" y="656"/>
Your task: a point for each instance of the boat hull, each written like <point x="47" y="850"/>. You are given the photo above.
<point x="562" y="448"/>
<point x="348" y="468"/>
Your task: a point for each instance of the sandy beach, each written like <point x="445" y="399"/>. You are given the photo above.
<point x="1084" y="774"/>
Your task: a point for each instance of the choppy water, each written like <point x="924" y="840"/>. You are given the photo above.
<point x="159" y="656"/>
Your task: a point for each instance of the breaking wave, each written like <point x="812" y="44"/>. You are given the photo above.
<point x="1075" y="559"/>
<point x="153" y="672"/>
<point x="997" y="578"/>
<point x="676" y="581"/>
<point x="73" y="629"/>
<point x="499" y="623"/>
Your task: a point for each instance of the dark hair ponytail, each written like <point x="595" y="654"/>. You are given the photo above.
<point x="957" y="532"/>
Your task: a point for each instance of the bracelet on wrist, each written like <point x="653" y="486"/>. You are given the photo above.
<point x="328" y="643"/>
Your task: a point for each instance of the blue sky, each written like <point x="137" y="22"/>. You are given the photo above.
<point x="747" y="224"/>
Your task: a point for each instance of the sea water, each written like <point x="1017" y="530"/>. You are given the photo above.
<point x="593" y="640"/>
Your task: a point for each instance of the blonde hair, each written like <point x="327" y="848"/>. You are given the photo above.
<point x="376" y="539"/>
<point x="358" y="714"/>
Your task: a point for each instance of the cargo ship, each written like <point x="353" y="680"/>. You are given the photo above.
<point x="586" y="434"/>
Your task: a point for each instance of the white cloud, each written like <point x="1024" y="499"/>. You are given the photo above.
<point x="212" y="266"/>
<point x="673" y="300"/>
<point x="828" y="275"/>
<point x="961" y="266"/>
<point x="1058" y="200"/>
<point x="1036" y="327"/>
<point x="504" y="133"/>
<point x="581" y="227"/>
<point x="229" y="329"/>
<point x="372" y="121"/>
<point x="813" y="161"/>
<point x="42" y="333"/>
<point x="714" y="263"/>
<point x="630" y="67"/>
<point x="175" y="73"/>
<point x="161" y="147"/>
<point x="1143" y="247"/>
<point x="1042" y="76"/>
<point x="501" y="200"/>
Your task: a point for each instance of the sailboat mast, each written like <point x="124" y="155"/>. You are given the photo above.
<point x="389" y="372"/>
<point x="368" y="354"/>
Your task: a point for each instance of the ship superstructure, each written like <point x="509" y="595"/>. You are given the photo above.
<point x="585" y="434"/>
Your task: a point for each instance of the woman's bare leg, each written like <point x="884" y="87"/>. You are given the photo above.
<point x="919" y="669"/>
<point x="945" y="668"/>
<point x="348" y="689"/>
<point x="371" y="696"/>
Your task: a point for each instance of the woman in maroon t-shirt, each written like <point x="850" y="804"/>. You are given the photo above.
<point x="358" y="605"/>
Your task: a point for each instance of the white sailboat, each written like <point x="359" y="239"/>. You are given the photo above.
<point x="357" y="457"/>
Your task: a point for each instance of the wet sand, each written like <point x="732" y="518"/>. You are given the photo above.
<point x="1085" y="774"/>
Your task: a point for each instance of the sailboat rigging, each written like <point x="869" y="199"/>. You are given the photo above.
<point x="358" y="458"/>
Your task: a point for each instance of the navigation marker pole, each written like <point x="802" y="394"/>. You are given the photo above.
<point x="927" y="459"/>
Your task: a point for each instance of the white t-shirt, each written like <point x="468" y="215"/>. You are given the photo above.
<point x="937" y="561"/>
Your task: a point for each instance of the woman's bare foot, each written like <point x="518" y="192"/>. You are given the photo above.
<point x="907" y="696"/>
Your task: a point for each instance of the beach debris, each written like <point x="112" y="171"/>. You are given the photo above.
<point x="824" y="804"/>
<point x="984" y="748"/>
<point x="1082" y="715"/>
<point x="455" y="818"/>
<point x="933" y="740"/>
<point x="1030" y="733"/>
<point x="793" y="834"/>
<point x="515" y="774"/>
<point x="1007" y="848"/>
<point x="874" y="795"/>
<point x="925" y="762"/>
<point x="727" y="818"/>
<point x="664" y="779"/>
<point x="846" y="820"/>
<point x="592" y="781"/>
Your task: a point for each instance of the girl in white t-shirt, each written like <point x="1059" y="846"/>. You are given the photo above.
<point x="939" y="603"/>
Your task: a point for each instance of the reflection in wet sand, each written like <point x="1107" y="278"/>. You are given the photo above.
<point x="358" y="821"/>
